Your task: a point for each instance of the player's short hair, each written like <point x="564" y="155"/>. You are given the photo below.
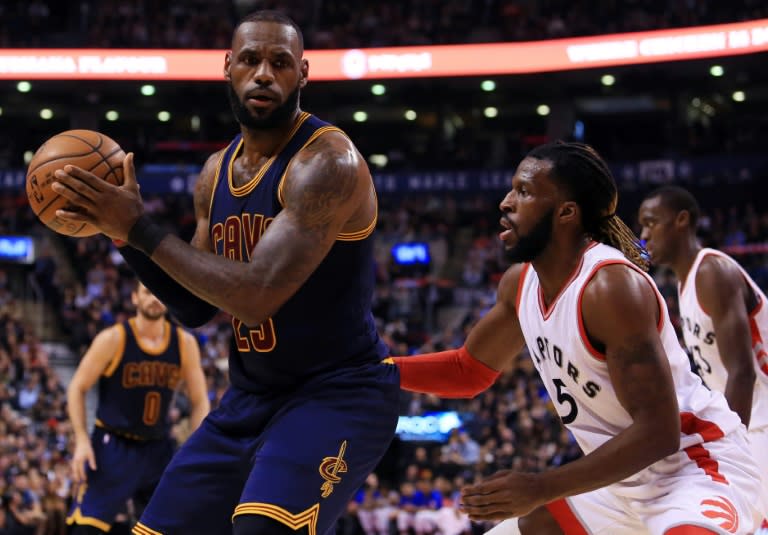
<point x="678" y="199"/>
<point x="271" y="15"/>
<point x="585" y="176"/>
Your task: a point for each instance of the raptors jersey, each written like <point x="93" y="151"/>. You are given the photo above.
<point x="699" y="334"/>
<point x="576" y="375"/>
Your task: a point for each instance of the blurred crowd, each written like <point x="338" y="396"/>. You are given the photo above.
<point x="335" y="24"/>
<point x="418" y="309"/>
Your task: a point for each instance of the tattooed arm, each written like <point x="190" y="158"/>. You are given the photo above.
<point x="325" y="184"/>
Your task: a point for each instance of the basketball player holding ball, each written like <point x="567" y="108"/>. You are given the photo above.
<point x="285" y="217"/>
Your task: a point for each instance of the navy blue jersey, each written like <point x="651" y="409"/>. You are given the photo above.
<point x="328" y="322"/>
<point x="136" y="389"/>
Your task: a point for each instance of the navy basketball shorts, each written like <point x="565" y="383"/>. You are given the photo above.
<point x="296" y="457"/>
<point x="124" y="467"/>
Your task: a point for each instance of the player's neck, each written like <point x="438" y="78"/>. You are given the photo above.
<point x="557" y="264"/>
<point x="686" y="255"/>
<point x="149" y="328"/>
<point x="258" y="142"/>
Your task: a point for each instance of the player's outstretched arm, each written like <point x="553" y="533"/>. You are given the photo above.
<point x="491" y="346"/>
<point x="325" y="183"/>
<point x="621" y="314"/>
<point x="722" y="291"/>
<point x="186" y="307"/>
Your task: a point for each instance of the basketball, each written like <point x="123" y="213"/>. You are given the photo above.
<point x="89" y="150"/>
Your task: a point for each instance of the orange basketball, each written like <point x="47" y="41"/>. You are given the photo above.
<point x="86" y="149"/>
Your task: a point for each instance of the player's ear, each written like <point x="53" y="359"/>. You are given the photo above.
<point x="227" y="64"/>
<point x="304" y="73"/>
<point x="568" y="211"/>
<point x="683" y="218"/>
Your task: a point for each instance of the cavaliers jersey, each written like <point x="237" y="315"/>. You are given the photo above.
<point x="328" y="322"/>
<point x="576" y="374"/>
<point x="136" y="389"/>
<point x="699" y="334"/>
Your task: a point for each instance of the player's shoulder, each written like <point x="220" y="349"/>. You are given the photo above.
<point x="620" y="284"/>
<point x="185" y="336"/>
<point x="717" y="267"/>
<point x="110" y="335"/>
<point x="510" y="284"/>
<point x="718" y="278"/>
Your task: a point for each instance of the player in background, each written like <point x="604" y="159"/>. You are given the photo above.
<point x="138" y="364"/>
<point x="723" y="311"/>
<point x="663" y="454"/>
<point x="284" y="243"/>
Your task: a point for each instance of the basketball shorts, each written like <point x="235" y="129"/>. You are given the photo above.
<point x="124" y="468"/>
<point x="715" y="492"/>
<point x="297" y="457"/>
<point x="758" y="442"/>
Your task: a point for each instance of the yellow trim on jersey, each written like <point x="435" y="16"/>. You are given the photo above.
<point x="111" y="430"/>
<point x="316" y="134"/>
<point x="182" y="346"/>
<point x="388" y="360"/>
<point x="118" y="356"/>
<point x="343" y="236"/>
<point x="77" y="518"/>
<point x="360" y="234"/>
<point x="245" y="189"/>
<point x="148" y="350"/>
<point x="307" y="517"/>
<point x="216" y="183"/>
<point x="141" y="529"/>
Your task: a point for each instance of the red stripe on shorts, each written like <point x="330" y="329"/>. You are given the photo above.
<point x="565" y="517"/>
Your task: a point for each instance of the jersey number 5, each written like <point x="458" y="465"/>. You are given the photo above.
<point x="564" y="398"/>
<point x="261" y="339"/>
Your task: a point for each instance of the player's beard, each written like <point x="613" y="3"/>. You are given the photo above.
<point x="276" y="118"/>
<point x="150" y="313"/>
<point x="531" y="245"/>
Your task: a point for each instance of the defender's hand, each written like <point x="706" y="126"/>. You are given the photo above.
<point x="503" y="495"/>
<point x="111" y="209"/>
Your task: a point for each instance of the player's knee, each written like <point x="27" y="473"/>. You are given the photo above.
<point x="86" y="530"/>
<point x="263" y="525"/>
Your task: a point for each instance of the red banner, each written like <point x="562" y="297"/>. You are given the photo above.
<point x="401" y="62"/>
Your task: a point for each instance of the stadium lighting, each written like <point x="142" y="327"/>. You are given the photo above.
<point x="46" y="113"/>
<point x="543" y="110"/>
<point x="607" y="80"/>
<point x="194" y="123"/>
<point x="716" y="71"/>
<point x="112" y="115"/>
<point x="491" y="112"/>
<point x="148" y="90"/>
<point x="739" y="96"/>
<point x="410" y="115"/>
<point x="379" y="160"/>
<point x="1" y="110"/>
<point x="360" y="116"/>
<point x="23" y="87"/>
<point x="164" y="116"/>
<point x="28" y="155"/>
<point x="378" y="89"/>
<point x="488" y="85"/>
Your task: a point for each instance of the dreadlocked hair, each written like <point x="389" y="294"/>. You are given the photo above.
<point x="585" y="175"/>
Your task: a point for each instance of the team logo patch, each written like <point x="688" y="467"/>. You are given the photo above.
<point x="330" y="469"/>
<point x="721" y="509"/>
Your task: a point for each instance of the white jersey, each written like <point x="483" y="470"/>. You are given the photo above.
<point x="576" y="374"/>
<point x="699" y="334"/>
